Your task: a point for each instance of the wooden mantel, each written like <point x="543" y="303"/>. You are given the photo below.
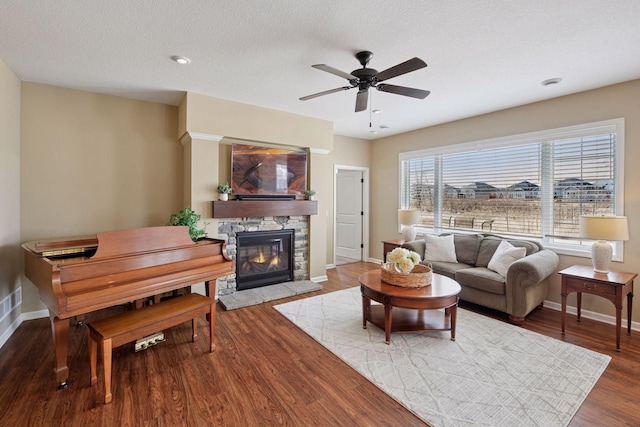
<point x="259" y="208"/>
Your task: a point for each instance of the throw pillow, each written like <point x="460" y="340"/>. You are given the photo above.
<point x="505" y="255"/>
<point x="439" y="248"/>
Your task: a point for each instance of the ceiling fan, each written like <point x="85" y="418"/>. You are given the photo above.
<point x="365" y="78"/>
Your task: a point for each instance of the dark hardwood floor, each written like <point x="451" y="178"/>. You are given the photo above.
<point x="265" y="371"/>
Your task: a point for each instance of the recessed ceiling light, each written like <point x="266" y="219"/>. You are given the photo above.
<point x="376" y="111"/>
<point x="182" y="60"/>
<point x="551" y="82"/>
<point x="373" y="132"/>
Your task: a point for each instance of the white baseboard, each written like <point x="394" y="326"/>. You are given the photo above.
<point x="604" y="318"/>
<point x="330" y="266"/>
<point x="319" y="279"/>
<point x="16" y="324"/>
<point x="611" y="320"/>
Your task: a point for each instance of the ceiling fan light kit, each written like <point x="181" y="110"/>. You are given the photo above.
<point x="365" y="78"/>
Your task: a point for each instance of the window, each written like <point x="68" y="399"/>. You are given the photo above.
<point x="535" y="185"/>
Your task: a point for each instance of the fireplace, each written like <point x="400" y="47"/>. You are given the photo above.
<point x="264" y="258"/>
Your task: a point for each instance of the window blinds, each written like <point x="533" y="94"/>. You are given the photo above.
<point x="534" y="185"/>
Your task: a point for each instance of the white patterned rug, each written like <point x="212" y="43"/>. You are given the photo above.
<point x="494" y="374"/>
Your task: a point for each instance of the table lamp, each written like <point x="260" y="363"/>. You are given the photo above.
<point x="602" y="228"/>
<point x="406" y="218"/>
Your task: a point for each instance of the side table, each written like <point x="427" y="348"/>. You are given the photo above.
<point x="389" y="245"/>
<point x="612" y="286"/>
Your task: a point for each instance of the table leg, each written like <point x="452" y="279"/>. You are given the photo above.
<point x="618" y="325"/>
<point x="453" y="311"/>
<point x="366" y="305"/>
<point x="579" y="305"/>
<point x="629" y="310"/>
<point x="388" y="316"/>
<point x="563" y="313"/>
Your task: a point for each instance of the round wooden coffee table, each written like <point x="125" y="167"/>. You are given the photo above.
<point x="409" y="309"/>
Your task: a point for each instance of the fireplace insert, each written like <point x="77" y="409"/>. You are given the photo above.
<point x="264" y="258"/>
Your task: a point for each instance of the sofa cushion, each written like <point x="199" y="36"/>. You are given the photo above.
<point x="489" y="244"/>
<point x="467" y="246"/>
<point x="481" y="278"/>
<point x="439" y="248"/>
<point x="504" y="256"/>
<point x="448" y="269"/>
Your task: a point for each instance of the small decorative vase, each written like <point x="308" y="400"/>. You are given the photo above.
<point x="223" y="196"/>
<point x="400" y="270"/>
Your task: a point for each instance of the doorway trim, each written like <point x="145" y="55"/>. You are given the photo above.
<point x="365" y="208"/>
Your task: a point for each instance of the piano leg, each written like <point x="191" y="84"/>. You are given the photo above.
<point x="210" y="288"/>
<point x="210" y="291"/>
<point x="60" y="329"/>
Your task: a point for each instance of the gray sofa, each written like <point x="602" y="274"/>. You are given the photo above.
<point x="523" y="288"/>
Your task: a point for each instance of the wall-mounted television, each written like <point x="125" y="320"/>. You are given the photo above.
<point x="265" y="171"/>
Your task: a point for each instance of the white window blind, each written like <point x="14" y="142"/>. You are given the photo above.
<point x="536" y="185"/>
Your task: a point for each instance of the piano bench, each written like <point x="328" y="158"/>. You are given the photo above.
<point x="123" y="328"/>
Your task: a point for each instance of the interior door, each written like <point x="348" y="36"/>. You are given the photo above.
<point x="349" y="214"/>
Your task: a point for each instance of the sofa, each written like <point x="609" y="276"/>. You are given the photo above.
<point x="510" y="277"/>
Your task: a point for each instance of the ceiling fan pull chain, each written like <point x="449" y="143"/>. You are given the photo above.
<point x="369" y="109"/>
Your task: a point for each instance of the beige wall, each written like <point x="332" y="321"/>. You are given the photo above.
<point x="93" y="163"/>
<point x="10" y="256"/>
<point x="211" y="124"/>
<point x="601" y="104"/>
<point x="346" y="151"/>
<point x="214" y="116"/>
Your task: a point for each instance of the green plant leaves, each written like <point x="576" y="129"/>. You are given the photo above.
<point x="190" y="219"/>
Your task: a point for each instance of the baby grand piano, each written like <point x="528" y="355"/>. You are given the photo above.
<point x="80" y="275"/>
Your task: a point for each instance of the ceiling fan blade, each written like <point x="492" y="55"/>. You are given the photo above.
<point x="326" y="92"/>
<point x="335" y="71"/>
<point x="406" y="67"/>
<point x="402" y="90"/>
<point x="361" y="100"/>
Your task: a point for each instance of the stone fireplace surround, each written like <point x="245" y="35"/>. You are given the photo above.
<point x="229" y="227"/>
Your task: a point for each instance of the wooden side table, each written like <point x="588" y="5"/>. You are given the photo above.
<point x="612" y="286"/>
<point x="389" y="245"/>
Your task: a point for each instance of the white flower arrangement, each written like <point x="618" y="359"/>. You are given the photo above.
<point x="403" y="259"/>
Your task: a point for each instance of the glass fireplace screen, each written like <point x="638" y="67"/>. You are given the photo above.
<point x="263" y="258"/>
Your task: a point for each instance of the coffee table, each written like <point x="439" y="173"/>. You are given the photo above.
<point x="409" y="309"/>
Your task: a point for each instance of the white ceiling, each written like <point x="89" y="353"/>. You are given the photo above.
<point x="482" y="55"/>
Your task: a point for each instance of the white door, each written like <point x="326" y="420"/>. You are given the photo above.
<point x="349" y="214"/>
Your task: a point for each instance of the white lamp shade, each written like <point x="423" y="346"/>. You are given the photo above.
<point x="408" y="217"/>
<point x="604" y="227"/>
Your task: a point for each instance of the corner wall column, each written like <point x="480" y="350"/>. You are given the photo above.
<point x="201" y="155"/>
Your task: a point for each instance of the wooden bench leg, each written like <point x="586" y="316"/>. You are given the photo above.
<point x="194" y="335"/>
<point x="106" y="362"/>
<point x="212" y="327"/>
<point x="93" y="359"/>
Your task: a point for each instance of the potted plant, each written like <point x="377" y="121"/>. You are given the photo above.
<point x="223" y="190"/>
<point x="190" y="219"/>
<point x="310" y="194"/>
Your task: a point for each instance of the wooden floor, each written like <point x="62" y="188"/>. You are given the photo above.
<point x="265" y="371"/>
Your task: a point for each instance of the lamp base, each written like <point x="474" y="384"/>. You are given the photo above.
<point x="601" y="252"/>
<point x="408" y="233"/>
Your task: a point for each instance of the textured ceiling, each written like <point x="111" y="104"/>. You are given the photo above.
<point x="482" y="55"/>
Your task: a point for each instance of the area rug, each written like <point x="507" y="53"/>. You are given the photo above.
<point x="255" y="296"/>
<point x="494" y="374"/>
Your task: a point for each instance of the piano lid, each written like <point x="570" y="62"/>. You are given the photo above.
<point x="113" y="243"/>
<point x="62" y="246"/>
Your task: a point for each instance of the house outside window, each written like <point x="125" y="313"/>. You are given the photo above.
<point x="534" y="185"/>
